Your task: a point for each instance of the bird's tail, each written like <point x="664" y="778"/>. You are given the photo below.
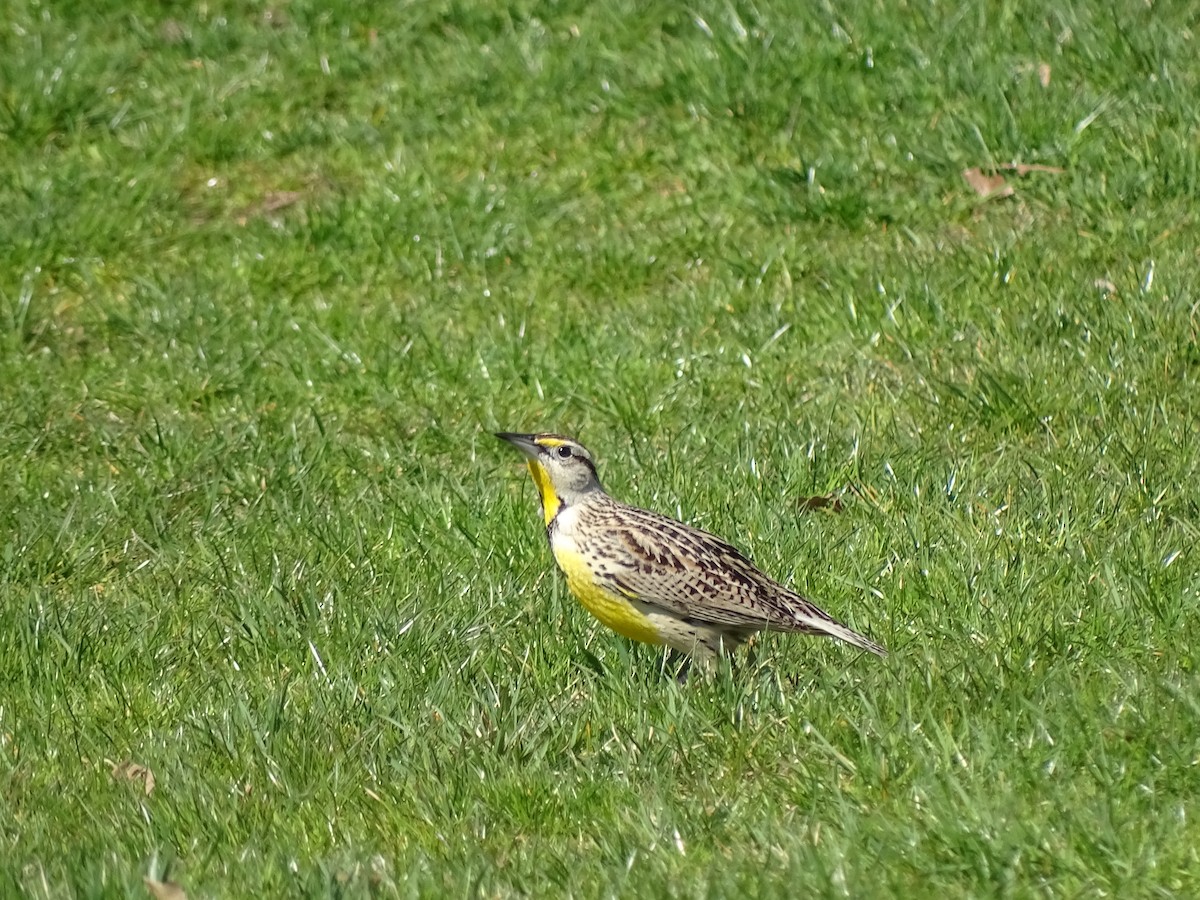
<point x="811" y="619"/>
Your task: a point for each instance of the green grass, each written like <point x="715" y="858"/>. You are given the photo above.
<point x="270" y="276"/>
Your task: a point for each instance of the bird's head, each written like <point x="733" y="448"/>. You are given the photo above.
<point x="562" y="469"/>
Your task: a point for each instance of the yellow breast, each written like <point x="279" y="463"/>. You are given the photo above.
<point x="613" y="610"/>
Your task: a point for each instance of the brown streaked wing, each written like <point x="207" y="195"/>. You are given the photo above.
<point x="655" y="559"/>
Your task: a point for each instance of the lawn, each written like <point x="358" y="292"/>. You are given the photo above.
<point x="277" y="615"/>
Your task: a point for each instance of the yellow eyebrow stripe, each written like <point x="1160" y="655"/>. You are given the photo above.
<point x="549" y="443"/>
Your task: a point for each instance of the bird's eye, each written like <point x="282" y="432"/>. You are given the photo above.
<point x="564" y="452"/>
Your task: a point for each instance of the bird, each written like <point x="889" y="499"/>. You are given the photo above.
<point x="651" y="578"/>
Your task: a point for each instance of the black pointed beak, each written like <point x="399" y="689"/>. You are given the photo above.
<point x="523" y="442"/>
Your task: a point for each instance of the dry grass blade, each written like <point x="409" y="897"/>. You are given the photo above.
<point x="164" y="890"/>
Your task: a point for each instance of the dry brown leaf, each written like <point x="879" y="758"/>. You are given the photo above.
<point x="1043" y="71"/>
<point x="831" y="502"/>
<point x="990" y="186"/>
<point x="164" y="890"/>
<point x="279" y="200"/>
<point x="271" y="202"/>
<point x="131" y="771"/>
<point x="987" y="186"/>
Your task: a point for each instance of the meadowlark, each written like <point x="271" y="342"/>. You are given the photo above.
<point x="651" y="578"/>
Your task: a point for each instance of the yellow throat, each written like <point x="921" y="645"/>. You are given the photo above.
<point x="549" y="498"/>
